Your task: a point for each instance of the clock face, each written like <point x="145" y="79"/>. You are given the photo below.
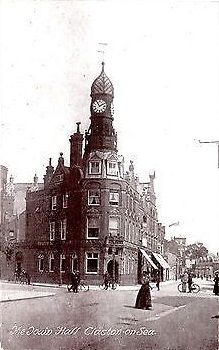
<point x="99" y="106"/>
<point x="112" y="109"/>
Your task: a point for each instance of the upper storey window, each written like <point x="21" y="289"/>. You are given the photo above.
<point x="94" y="167"/>
<point x="65" y="200"/>
<point x="93" y="227"/>
<point x="54" y="202"/>
<point x="113" y="225"/>
<point x="94" y="197"/>
<point x="114" y="198"/>
<point x="52" y="230"/>
<point x="112" y="168"/>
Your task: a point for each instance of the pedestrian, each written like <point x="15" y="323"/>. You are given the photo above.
<point x="143" y="300"/>
<point x="158" y="281"/>
<point x="184" y="280"/>
<point x="17" y="275"/>
<point x="77" y="281"/>
<point x="27" y="277"/>
<point x="216" y="284"/>
<point x="106" y="280"/>
<point x="73" y="282"/>
<point x="189" y="282"/>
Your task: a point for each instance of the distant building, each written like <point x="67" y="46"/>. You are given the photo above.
<point x="93" y="216"/>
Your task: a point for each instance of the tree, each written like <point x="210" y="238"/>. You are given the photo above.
<point x="196" y="250"/>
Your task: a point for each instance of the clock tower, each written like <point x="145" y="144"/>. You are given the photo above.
<point x="101" y="134"/>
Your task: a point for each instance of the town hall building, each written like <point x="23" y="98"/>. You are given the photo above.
<point x="93" y="216"/>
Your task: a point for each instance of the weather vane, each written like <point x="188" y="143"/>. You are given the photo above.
<point x="102" y="51"/>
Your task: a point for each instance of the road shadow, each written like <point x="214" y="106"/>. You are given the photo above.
<point x="129" y="306"/>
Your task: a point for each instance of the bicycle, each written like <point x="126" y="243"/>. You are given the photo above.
<point x="195" y="288"/>
<point x="102" y="286"/>
<point x="82" y="287"/>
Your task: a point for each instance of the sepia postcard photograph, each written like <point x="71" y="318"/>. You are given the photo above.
<point x="109" y="174"/>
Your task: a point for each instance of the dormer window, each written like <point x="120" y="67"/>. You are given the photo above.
<point x="59" y="178"/>
<point x="94" y="167"/>
<point x="112" y="168"/>
<point x="94" y="197"/>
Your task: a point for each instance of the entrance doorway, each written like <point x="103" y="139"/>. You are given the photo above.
<point x="19" y="260"/>
<point x="113" y="266"/>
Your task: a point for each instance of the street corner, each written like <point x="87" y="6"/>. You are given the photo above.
<point x="11" y="293"/>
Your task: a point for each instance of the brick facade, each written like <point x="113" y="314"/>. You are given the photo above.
<point x="91" y="216"/>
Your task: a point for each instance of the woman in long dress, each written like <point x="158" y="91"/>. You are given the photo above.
<point x="216" y="284"/>
<point x="143" y="300"/>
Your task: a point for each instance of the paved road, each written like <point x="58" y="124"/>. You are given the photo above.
<point x="107" y="320"/>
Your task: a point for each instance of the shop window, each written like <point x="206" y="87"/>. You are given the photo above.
<point x="92" y="227"/>
<point x="94" y="197"/>
<point x="92" y="263"/>
<point x="74" y="262"/>
<point x="52" y="230"/>
<point x="114" y="198"/>
<point x="51" y="262"/>
<point x="62" y="263"/>
<point x="94" y="167"/>
<point x="41" y="264"/>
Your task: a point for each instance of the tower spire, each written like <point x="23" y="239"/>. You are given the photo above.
<point x="102" y="52"/>
<point x="101" y="132"/>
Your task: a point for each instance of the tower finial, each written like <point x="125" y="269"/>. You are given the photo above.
<point x="102" y="51"/>
<point x="78" y="127"/>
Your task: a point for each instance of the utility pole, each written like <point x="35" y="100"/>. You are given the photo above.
<point x="215" y="142"/>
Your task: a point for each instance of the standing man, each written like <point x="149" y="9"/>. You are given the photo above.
<point x="184" y="280"/>
<point x="106" y="280"/>
<point x="73" y="282"/>
<point x="158" y="281"/>
<point x="189" y="282"/>
<point x="77" y="281"/>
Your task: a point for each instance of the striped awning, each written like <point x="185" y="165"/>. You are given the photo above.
<point x="161" y="260"/>
<point x="148" y="259"/>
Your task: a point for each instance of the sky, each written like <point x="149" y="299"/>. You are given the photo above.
<point x="163" y="60"/>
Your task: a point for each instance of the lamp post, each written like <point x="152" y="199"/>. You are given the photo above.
<point x="174" y="224"/>
<point x="114" y="263"/>
<point x="215" y="142"/>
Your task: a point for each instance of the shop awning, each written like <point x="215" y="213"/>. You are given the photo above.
<point x="161" y="260"/>
<point x="148" y="259"/>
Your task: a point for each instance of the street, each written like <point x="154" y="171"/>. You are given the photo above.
<point x="100" y="319"/>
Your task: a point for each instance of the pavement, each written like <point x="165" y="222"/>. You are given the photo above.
<point x="10" y="291"/>
<point x="13" y="292"/>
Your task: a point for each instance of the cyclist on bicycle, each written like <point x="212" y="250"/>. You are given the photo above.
<point x="75" y="281"/>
